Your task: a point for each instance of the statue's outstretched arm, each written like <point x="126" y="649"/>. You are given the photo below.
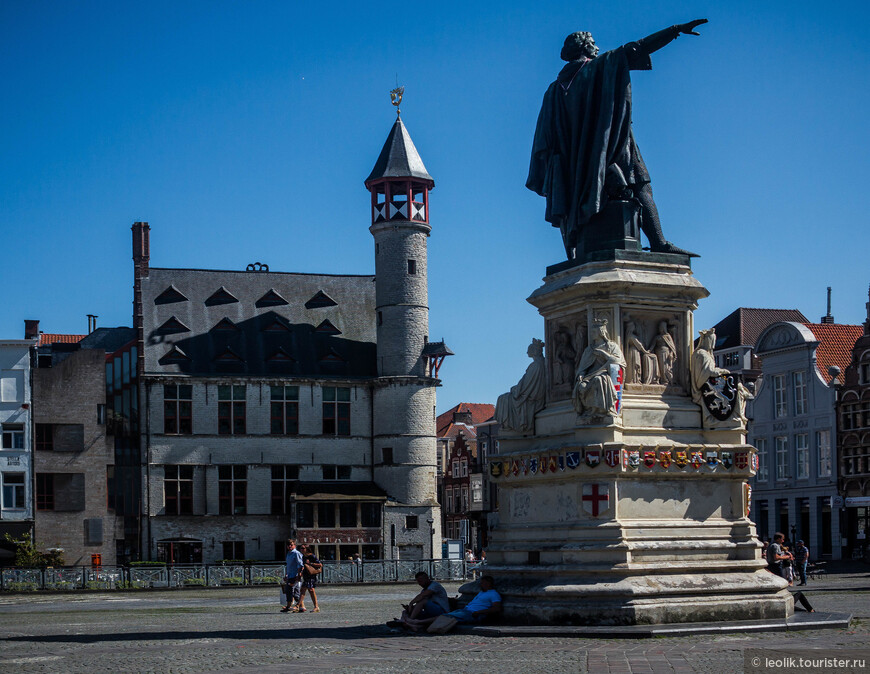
<point x="658" y="40"/>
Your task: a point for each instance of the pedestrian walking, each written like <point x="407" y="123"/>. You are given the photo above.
<point x="801" y="559"/>
<point x="292" y="575"/>
<point x="311" y="567"/>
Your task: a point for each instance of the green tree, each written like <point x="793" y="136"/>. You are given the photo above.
<point x="29" y="557"/>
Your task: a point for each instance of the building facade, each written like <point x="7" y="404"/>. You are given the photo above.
<point x="737" y="333"/>
<point x="279" y="404"/>
<point x="853" y="445"/>
<point x="75" y="424"/>
<point x="794" y="429"/>
<point x="16" y="455"/>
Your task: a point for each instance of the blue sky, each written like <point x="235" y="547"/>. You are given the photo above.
<point x="243" y="131"/>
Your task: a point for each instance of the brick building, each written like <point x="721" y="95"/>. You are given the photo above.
<point x="75" y="423"/>
<point x="278" y="404"/>
<point x="463" y="486"/>
<point x="853" y="445"/>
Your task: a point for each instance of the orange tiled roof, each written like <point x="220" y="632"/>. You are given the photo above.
<point x="480" y="412"/>
<point x="54" y="338"/>
<point x="835" y="345"/>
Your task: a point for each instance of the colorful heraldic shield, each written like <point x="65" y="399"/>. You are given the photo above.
<point x="560" y="460"/>
<point x="552" y="463"/>
<point x="611" y="457"/>
<point x="681" y="458"/>
<point x="754" y="462"/>
<point x="633" y="458"/>
<point x="697" y="459"/>
<point x="741" y="460"/>
<point x="495" y="469"/>
<point x="617" y="374"/>
<point x="533" y="465"/>
<point x="593" y="457"/>
<point x="748" y="491"/>
<point x="665" y="459"/>
<point x="727" y="459"/>
<point x="712" y="459"/>
<point x="572" y="459"/>
<point x="596" y="498"/>
<point x="649" y="458"/>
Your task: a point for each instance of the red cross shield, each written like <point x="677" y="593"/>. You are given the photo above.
<point x="596" y="498"/>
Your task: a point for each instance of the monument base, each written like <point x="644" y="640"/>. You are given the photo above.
<point x="636" y="514"/>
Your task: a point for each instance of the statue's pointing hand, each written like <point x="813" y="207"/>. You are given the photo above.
<point x="689" y="28"/>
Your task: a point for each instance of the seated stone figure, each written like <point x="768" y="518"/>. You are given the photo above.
<point x="595" y="391"/>
<point x="516" y="410"/>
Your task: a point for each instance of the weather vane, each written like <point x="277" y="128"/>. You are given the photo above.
<point x="396" y="99"/>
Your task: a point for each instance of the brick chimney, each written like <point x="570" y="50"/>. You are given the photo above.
<point x="141" y="259"/>
<point x="31" y="329"/>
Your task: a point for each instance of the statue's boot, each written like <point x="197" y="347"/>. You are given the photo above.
<point x="652" y="226"/>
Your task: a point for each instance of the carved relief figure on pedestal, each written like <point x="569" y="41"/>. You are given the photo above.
<point x="563" y="367"/>
<point x="712" y="387"/>
<point x="516" y="409"/>
<point x="665" y="349"/>
<point x="642" y="364"/>
<point x="599" y="373"/>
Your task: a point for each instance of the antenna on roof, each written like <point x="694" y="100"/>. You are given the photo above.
<point x="827" y="318"/>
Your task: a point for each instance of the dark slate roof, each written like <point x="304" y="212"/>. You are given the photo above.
<point x="108" y="339"/>
<point x="279" y="339"/>
<point x="399" y="158"/>
<point x="437" y="349"/>
<point x="744" y="326"/>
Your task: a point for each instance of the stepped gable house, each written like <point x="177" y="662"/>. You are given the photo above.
<point x="285" y="404"/>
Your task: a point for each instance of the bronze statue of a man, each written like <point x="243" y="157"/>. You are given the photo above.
<point x="584" y="152"/>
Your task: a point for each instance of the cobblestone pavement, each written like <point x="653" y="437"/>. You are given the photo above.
<point x="241" y="630"/>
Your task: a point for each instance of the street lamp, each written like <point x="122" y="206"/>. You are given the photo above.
<point x="430" y="522"/>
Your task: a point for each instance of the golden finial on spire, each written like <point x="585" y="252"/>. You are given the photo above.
<point x="396" y="99"/>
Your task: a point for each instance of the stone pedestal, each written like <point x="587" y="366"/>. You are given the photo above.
<point x="639" y="516"/>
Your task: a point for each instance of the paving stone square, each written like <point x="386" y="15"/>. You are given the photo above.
<point x="242" y="630"/>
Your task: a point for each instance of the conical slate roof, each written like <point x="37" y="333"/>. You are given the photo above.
<point x="399" y="158"/>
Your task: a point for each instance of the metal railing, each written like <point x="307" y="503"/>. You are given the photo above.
<point x="220" y="575"/>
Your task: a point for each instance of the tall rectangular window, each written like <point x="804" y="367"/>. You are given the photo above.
<point x="13" y="436"/>
<point x="305" y="515"/>
<point x="763" y="460"/>
<point x="448" y="499"/>
<point x="823" y="448"/>
<point x="336" y="410"/>
<point x="412" y="267"/>
<point x="234" y="549"/>
<point x="326" y="515"/>
<point x="464" y="498"/>
<point x="231" y="409"/>
<point x="781" y="457"/>
<point x="178" y="489"/>
<point x="232" y="490"/>
<point x="802" y="456"/>
<point x="13" y="491"/>
<point x="370" y="514"/>
<point x="44" y="437"/>
<point x="799" y="389"/>
<point x="45" y="491"/>
<point x="347" y="515"/>
<point x="285" y="410"/>
<point x="178" y="409"/>
<point x="780" y="406"/>
<point x="282" y="488"/>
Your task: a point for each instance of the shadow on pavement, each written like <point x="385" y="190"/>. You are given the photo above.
<point x="347" y="633"/>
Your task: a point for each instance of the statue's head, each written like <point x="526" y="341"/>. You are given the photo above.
<point x="536" y="348"/>
<point x="579" y="45"/>
<point x="707" y="339"/>
<point x="599" y="328"/>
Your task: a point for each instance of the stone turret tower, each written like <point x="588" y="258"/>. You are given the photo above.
<point x="404" y="397"/>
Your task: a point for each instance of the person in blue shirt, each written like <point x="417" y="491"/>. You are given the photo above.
<point x="292" y="574"/>
<point x="485" y="603"/>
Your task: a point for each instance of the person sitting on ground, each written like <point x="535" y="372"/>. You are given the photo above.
<point x="430" y="603"/>
<point x="311" y="566"/>
<point x="486" y="603"/>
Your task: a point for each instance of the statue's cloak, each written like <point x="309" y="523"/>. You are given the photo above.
<point x="583" y="128"/>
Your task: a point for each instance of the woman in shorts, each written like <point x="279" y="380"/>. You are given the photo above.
<point x="311" y="567"/>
